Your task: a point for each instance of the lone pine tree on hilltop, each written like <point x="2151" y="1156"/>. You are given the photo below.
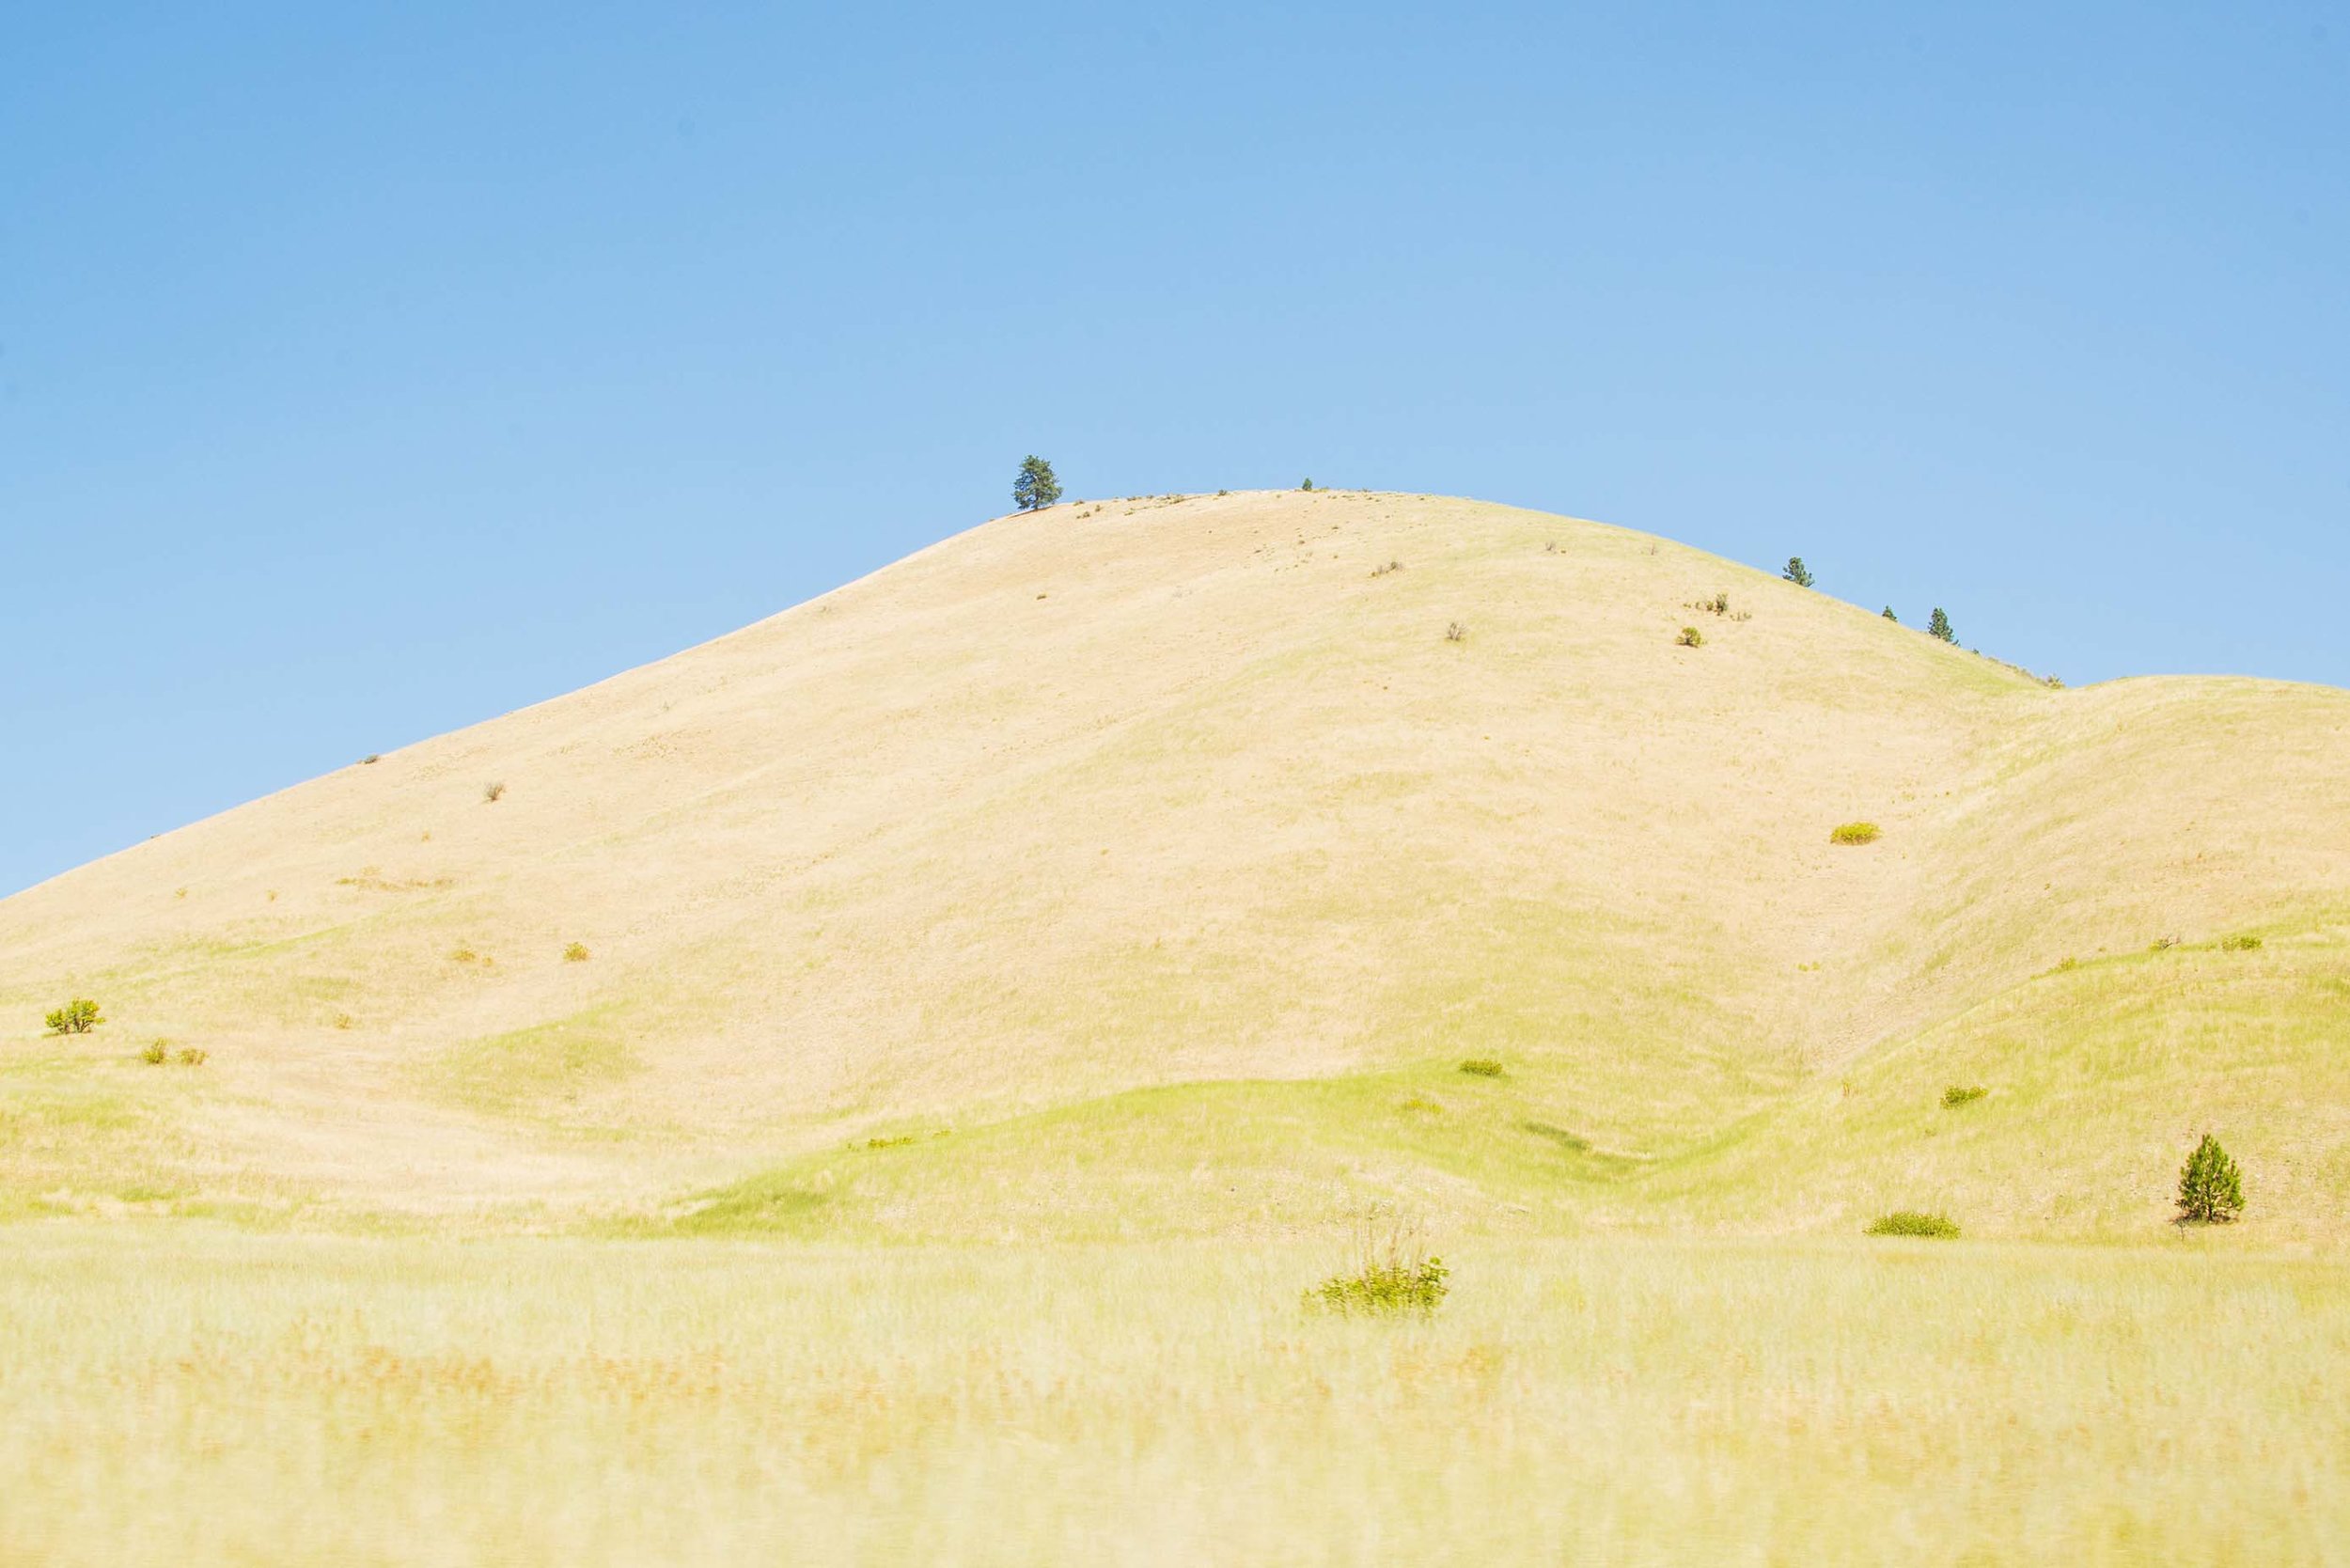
<point x="1797" y="573"/>
<point x="1939" y="625"/>
<point x="1034" y="488"/>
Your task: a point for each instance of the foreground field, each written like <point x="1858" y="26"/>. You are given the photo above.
<point x="177" y="1394"/>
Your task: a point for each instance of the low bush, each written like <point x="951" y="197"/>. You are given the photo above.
<point x="493" y="793"/>
<point x="1481" y="1067"/>
<point x="1908" y="1222"/>
<point x="575" y="954"/>
<point x="2211" y="1188"/>
<point x="1392" y="1273"/>
<point x="1691" y="637"/>
<point x="78" y="1016"/>
<point x="1383" y="570"/>
<point x="2239" y="944"/>
<point x="1456" y="631"/>
<point x="1855" y="833"/>
<point x="1307" y="485"/>
<point x="193" y="1055"/>
<point x="1962" y="1094"/>
<point x="155" y="1053"/>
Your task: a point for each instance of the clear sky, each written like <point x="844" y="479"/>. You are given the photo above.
<point x="368" y="370"/>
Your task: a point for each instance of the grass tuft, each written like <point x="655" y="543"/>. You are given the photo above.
<point x="1909" y="1222"/>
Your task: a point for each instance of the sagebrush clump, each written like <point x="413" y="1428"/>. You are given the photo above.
<point x="1909" y="1222"/>
<point x="493" y="793"/>
<point x="2211" y="1188"/>
<point x="1690" y="637"/>
<point x="1392" y="1272"/>
<point x="575" y="954"/>
<point x="78" y="1016"/>
<point x="1855" y="833"/>
<point x="1481" y="1067"/>
<point x="1962" y="1094"/>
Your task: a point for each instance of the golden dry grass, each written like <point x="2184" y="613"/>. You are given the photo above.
<point x="1107" y="900"/>
<point x="1129" y="796"/>
<point x="198" y="1398"/>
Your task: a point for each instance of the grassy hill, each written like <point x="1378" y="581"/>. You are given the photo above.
<point x="1142" y="867"/>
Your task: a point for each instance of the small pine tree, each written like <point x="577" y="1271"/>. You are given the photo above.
<point x="2211" y="1189"/>
<point x="1307" y="485"/>
<point x="1035" y="488"/>
<point x="1939" y="625"/>
<point x="1797" y="573"/>
<point x="1891" y="617"/>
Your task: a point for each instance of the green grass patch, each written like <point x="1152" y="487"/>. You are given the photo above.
<point x="1909" y="1222"/>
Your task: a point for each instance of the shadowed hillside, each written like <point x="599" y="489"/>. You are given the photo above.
<point x="1167" y="856"/>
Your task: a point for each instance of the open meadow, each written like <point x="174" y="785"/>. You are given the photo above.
<point x="188" y="1395"/>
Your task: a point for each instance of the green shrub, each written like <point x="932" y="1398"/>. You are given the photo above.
<point x="1908" y="1222"/>
<point x="1797" y="573"/>
<point x="1855" y="833"/>
<point x="193" y="1055"/>
<point x="1691" y="637"/>
<point x="1481" y="1067"/>
<point x="1962" y="1094"/>
<point x="897" y="1142"/>
<point x="575" y="954"/>
<point x="1891" y="617"/>
<point x="2239" y="944"/>
<point x="1307" y="485"/>
<point x="1391" y="1273"/>
<point x="155" y="1053"/>
<point x="2211" y="1188"/>
<point x="78" y="1016"/>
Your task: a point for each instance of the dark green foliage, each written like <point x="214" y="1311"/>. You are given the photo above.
<point x="2211" y="1188"/>
<point x="78" y="1016"/>
<point x="2239" y="944"/>
<point x="1962" y="1094"/>
<point x="1035" y="488"/>
<point x="1690" y="637"/>
<point x="1307" y="485"/>
<point x="1939" y="626"/>
<point x="1797" y="573"/>
<point x="1891" y="617"/>
<point x="1908" y="1222"/>
<point x="1481" y="1067"/>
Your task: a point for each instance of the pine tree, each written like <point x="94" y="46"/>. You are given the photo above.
<point x="1891" y="617"/>
<point x="2211" y="1189"/>
<point x="1797" y="573"/>
<point x="1036" y="487"/>
<point x="1939" y="625"/>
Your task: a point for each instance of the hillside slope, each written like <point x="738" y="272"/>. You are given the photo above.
<point x="1168" y="856"/>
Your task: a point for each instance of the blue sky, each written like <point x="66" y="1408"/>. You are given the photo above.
<point x="366" y="371"/>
